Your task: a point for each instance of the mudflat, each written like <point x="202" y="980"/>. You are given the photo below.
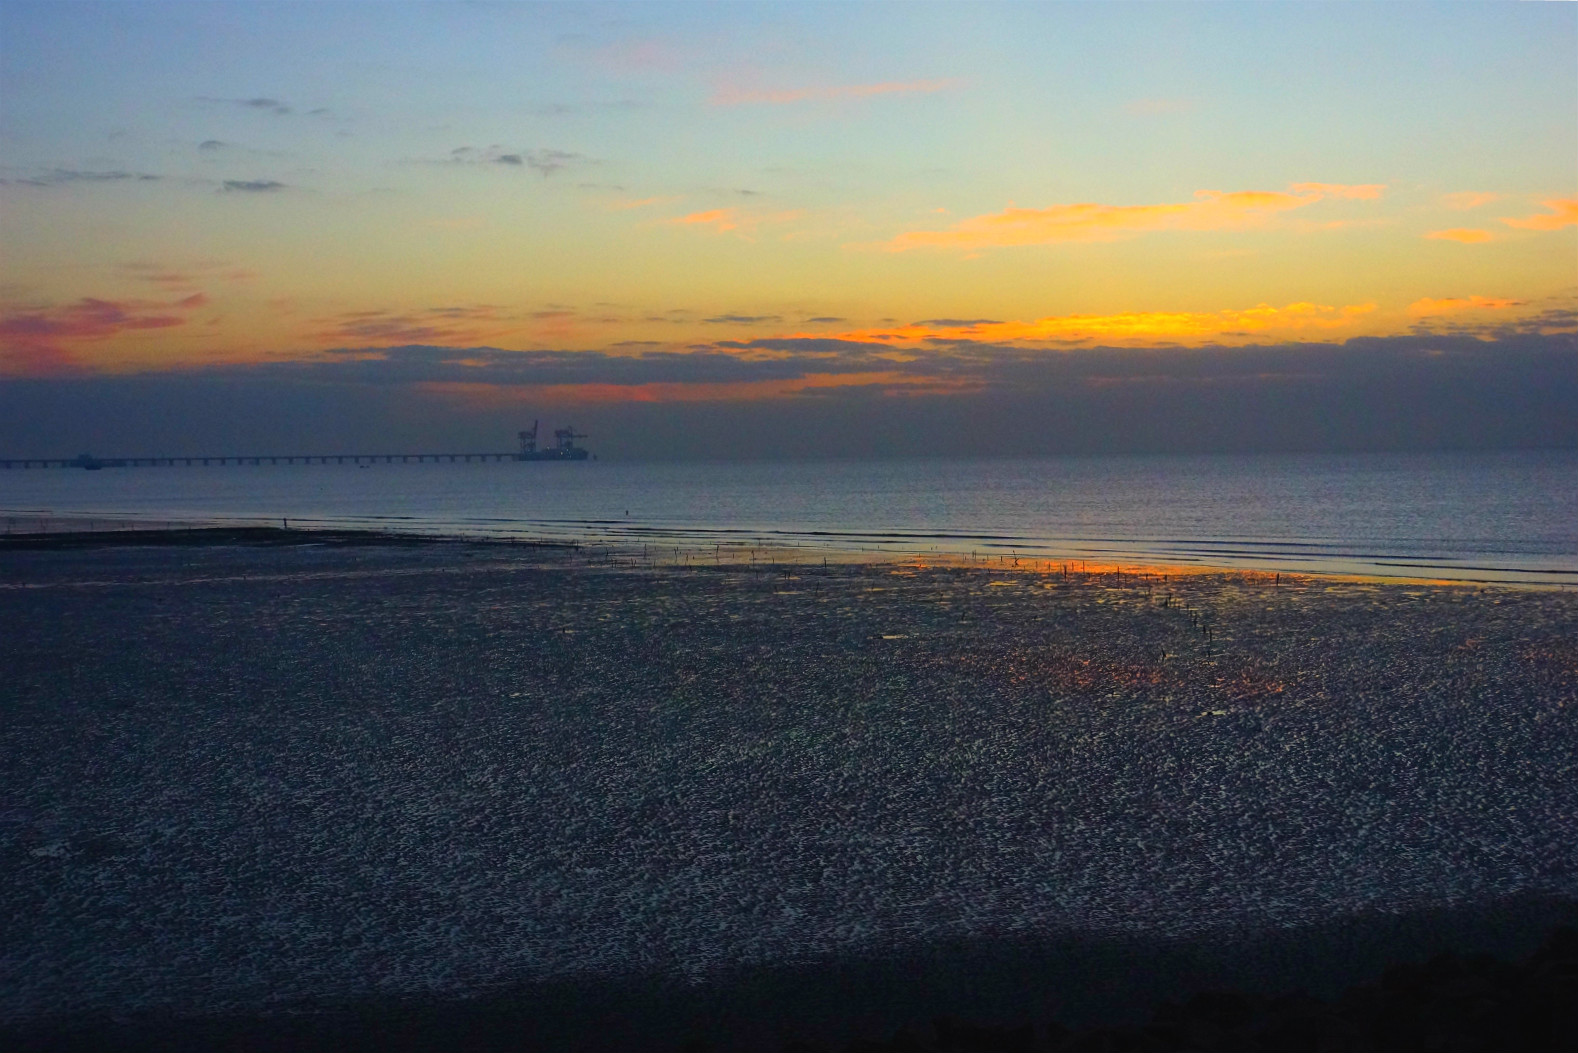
<point x="638" y="804"/>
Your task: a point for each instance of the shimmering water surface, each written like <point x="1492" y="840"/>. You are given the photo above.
<point x="1489" y="516"/>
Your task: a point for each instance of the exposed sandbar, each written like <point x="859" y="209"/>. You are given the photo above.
<point x="244" y="779"/>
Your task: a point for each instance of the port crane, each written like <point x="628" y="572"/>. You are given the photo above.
<point x="563" y="448"/>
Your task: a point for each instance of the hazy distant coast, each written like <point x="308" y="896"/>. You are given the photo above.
<point x="250" y="778"/>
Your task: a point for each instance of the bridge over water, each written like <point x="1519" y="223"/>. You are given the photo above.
<point x="90" y="462"/>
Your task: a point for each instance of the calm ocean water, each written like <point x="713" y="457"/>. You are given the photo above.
<point x="1509" y="516"/>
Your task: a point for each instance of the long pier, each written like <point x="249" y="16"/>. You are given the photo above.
<point x="91" y="462"/>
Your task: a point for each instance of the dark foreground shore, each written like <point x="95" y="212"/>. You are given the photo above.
<point x="1473" y="1002"/>
<point x="453" y="796"/>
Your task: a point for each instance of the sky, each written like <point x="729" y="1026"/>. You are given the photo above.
<point x="785" y="230"/>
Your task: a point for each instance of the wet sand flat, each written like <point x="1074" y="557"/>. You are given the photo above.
<point x="240" y="780"/>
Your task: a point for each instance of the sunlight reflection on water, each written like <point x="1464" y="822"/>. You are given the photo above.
<point x="1487" y="516"/>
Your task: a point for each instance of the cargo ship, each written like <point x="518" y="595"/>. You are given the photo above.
<point x="563" y="448"/>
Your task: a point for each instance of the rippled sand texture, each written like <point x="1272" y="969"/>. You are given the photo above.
<point x="239" y="777"/>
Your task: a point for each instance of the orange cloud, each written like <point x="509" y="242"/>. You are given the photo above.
<point x="719" y="219"/>
<point x="1468" y="199"/>
<point x="733" y="96"/>
<point x="1146" y="327"/>
<point x="723" y="220"/>
<point x="434" y="325"/>
<point x="1466" y="235"/>
<point x="490" y="395"/>
<point x="41" y="339"/>
<point x="1430" y="308"/>
<point x="1564" y="213"/>
<point x="1210" y="210"/>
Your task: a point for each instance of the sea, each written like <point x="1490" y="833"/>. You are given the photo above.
<point x="1494" y="517"/>
<point x="398" y="790"/>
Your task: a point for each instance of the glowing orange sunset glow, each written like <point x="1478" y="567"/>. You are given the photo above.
<point x="1145" y="327"/>
<point x="1211" y="210"/>
<point x="1463" y="235"/>
<point x="738" y="190"/>
<point x="794" y="525"/>
<point x="1563" y="213"/>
